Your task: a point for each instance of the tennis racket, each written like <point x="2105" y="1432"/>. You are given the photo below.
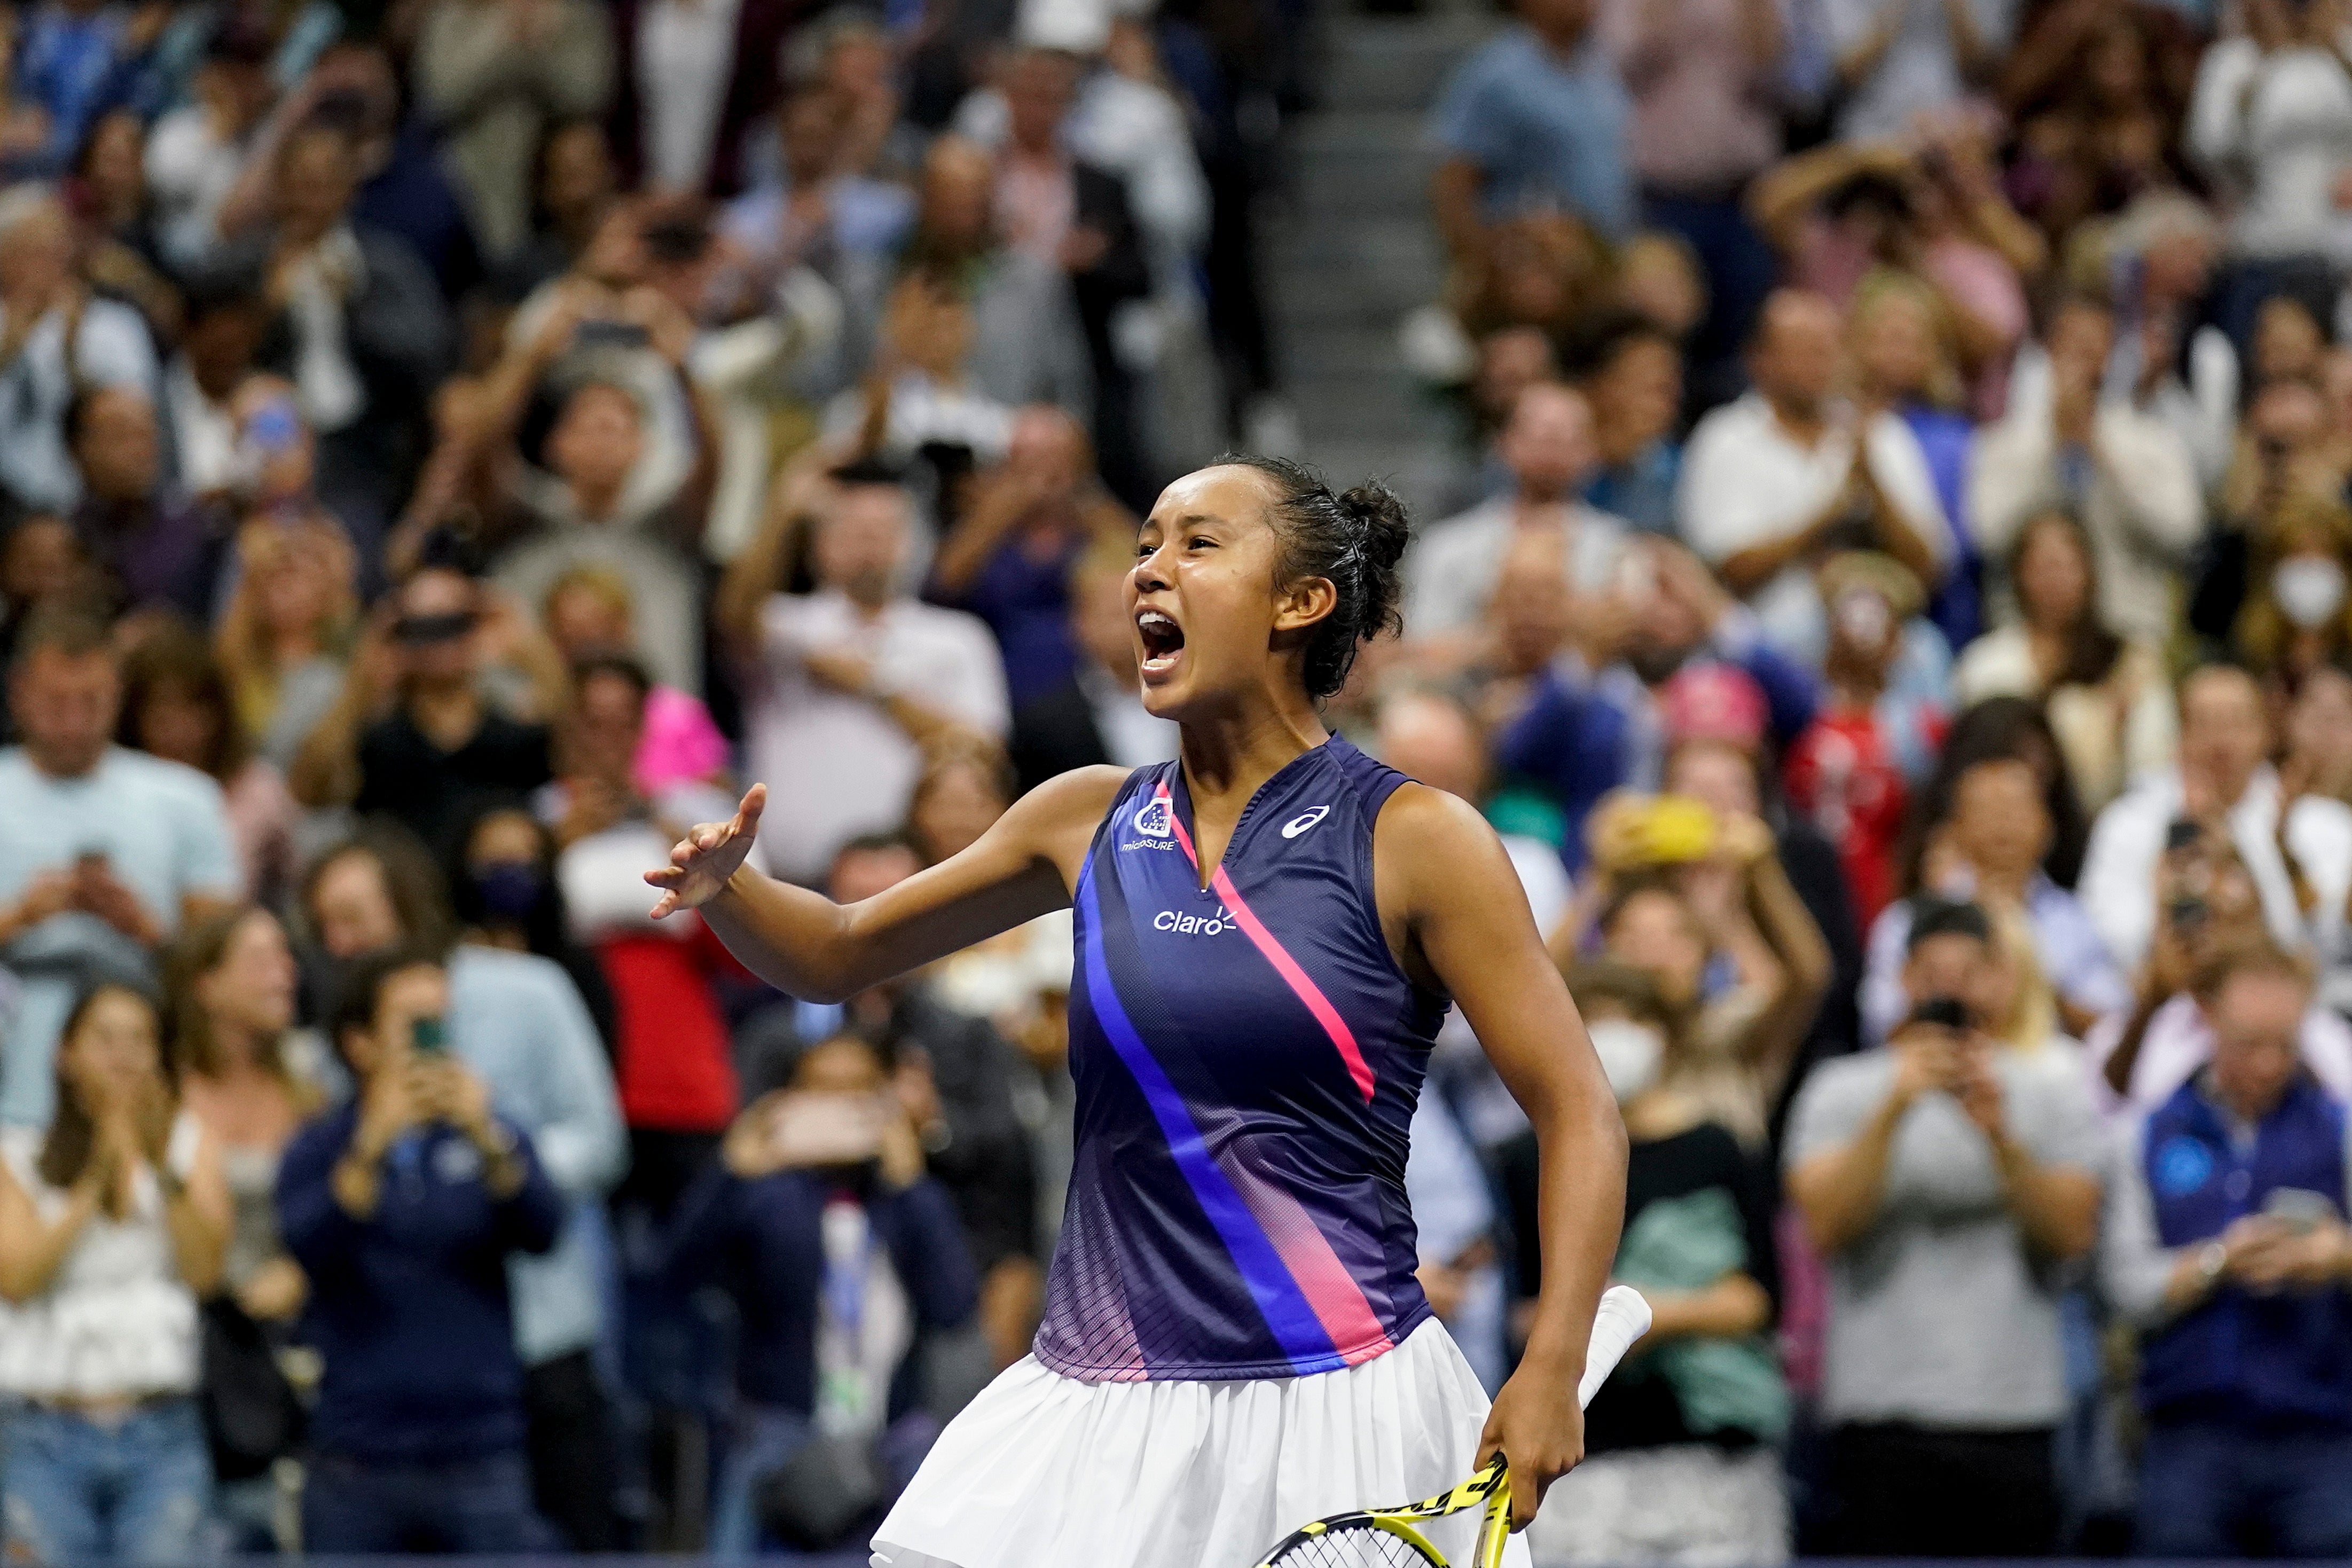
<point x="1385" y="1537"/>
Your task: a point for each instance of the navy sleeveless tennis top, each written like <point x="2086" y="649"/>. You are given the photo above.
<point x="1246" y="1061"/>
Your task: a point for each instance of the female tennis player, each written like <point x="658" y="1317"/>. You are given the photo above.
<point x="1268" y="930"/>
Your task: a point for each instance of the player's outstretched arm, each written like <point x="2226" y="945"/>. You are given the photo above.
<point x="804" y="943"/>
<point x="1470" y="927"/>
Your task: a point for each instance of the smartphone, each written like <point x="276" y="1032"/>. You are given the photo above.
<point x="2298" y="1208"/>
<point x="818" y="1128"/>
<point x="428" y="1036"/>
<point x="610" y="334"/>
<point x="1942" y="1013"/>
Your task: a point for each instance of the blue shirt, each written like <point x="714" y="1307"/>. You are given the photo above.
<point x="1546" y="133"/>
<point x="166" y="835"/>
<point x="68" y="66"/>
<point x="1641" y="491"/>
<point x="409" y="1307"/>
<point x="518" y="1020"/>
<point x="764" y="1241"/>
<point x="1945" y="439"/>
<point x="1247" y="1058"/>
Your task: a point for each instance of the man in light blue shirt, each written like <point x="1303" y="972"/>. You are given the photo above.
<point x="1534" y="121"/>
<point x="105" y="854"/>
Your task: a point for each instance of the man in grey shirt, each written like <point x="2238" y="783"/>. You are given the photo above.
<point x="1946" y="1179"/>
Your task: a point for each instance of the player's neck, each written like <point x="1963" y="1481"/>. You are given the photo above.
<point x="1226" y="758"/>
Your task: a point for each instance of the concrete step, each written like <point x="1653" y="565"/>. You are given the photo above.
<point x="1380" y="62"/>
<point x="1368" y="163"/>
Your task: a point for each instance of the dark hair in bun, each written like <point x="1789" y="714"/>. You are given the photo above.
<point x="1355" y="539"/>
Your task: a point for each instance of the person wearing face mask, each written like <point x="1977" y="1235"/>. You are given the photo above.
<point x="1851" y="773"/>
<point x="2296" y="617"/>
<point x="1944" y="1178"/>
<point x="1681" y="1461"/>
<point x="503" y="891"/>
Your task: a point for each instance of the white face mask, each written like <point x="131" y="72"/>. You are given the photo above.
<point x="1632" y="1054"/>
<point x="2309" y="589"/>
<point x="1865" y="620"/>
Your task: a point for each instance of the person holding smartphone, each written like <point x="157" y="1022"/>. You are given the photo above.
<point x="402" y="1206"/>
<point x="1944" y="1179"/>
<point x="2226" y="1244"/>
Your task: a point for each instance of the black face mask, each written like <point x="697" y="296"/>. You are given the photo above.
<point x="509" y="890"/>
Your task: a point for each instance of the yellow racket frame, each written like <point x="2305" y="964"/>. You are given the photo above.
<point x="1488" y="1490"/>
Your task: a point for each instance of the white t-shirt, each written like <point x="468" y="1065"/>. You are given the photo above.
<point x="116" y="1322"/>
<point x="686" y="55"/>
<point x="1747" y="482"/>
<point x="1451" y="572"/>
<point x="837" y="766"/>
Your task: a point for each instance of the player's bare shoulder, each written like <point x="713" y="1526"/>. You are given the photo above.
<point x="1056" y="821"/>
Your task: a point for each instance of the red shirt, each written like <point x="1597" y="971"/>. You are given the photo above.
<point x="677" y="1066"/>
<point x="1842" y="774"/>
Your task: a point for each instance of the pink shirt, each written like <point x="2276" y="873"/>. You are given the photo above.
<point x="680" y="743"/>
<point x="1703" y="119"/>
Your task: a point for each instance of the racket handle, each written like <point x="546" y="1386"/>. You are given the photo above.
<point x="1623" y="1318"/>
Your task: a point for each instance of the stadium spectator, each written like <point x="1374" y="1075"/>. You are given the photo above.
<point x="1537" y="119"/>
<point x="2105" y="697"/>
<point x="1704" y="908"/>
<point x="176" y="705"/>
<point x="1901" y="360"/>
<point x="2273" y="129"/>
<point x="157" y="552"/>
<point x="1009" y="559"/>
<point x="2319" y="734"/>
<point x="105" y="853"/>
<point x="1097" y="715"/>
<point x="283" y="634"/>
<point x="1851" y="771"/>
<point x="1583" y="727"/>
<point x="844" y="1258"/>
<point x="1772" y="483"/>
<point x="442" y="746"/>
<point x="1990" y="848"/>
<point x="402" y="1207"/>
<point x="251" y="1081"/>
<point x="2299" y="852"/>
<point x="493" y="75"/>
<point x="504" y="894"/>
<point x="516" y="1021"/>
<point x="1681" y="1457"/>
<point x="1941" y="1176"/>
<point x="672" y="1062"/>
<point x="591" y="612"/>
<point x="1547" y="444"/>
<point x="853" y="680"/>
<point x="688" y="86"/>
<point x="62" y="340"/>
<point x="2207" y="904"/>
<point x="2121" y="471"/>
<point x="1630" y="372"/>
<point x="112" y="1221"/>
<point x="2225" y="1226"/>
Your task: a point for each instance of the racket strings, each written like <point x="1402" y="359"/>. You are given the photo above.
<point x="1355" y="1546"/>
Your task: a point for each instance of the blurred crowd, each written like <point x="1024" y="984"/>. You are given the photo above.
<point x="1889" y="593"/>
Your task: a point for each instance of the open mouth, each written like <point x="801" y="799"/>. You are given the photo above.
<point x="1163" y="640"/>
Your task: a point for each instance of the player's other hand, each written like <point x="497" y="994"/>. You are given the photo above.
<point x="707" y="856"/>
<point x="1538" y="1425"/>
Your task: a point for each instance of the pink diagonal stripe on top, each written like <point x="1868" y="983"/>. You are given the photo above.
<point x="1284" y="964"/>
<point x="1334" y="1294"/>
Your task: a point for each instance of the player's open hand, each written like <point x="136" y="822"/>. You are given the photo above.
<point x="707" y="856"/>
<point x="1537" y="1423"/>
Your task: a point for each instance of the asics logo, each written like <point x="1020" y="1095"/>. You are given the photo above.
<point x="1305" y="820"/>
<point x="1193" y="925"/>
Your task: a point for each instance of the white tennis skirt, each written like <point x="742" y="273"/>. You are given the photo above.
<point x="1044" y="1471"/>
